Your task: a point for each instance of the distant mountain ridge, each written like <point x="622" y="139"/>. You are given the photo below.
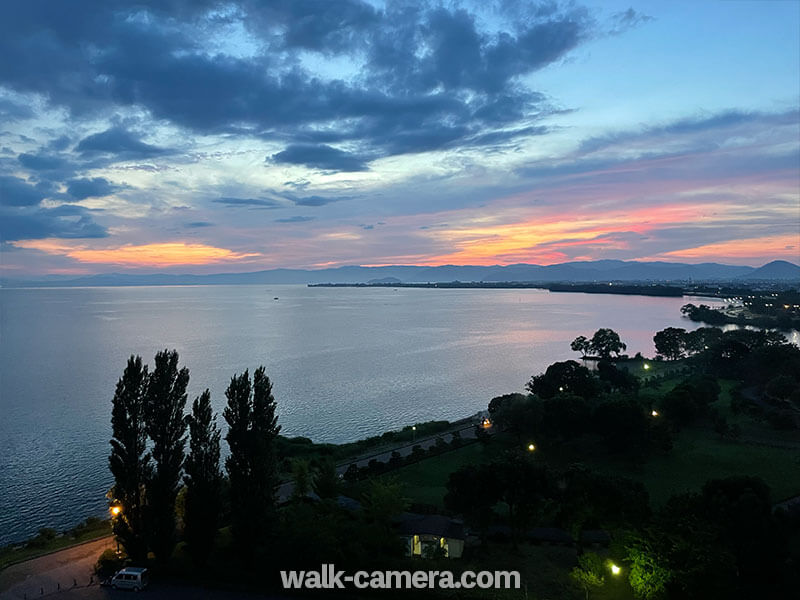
<point x="588" y="271"/>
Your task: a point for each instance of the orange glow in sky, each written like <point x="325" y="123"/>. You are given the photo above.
<point x="147" y="255"/>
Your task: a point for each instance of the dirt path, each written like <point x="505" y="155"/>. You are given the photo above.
<point x="44" y="574"/>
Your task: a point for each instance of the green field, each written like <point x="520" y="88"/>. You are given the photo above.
<point x="697" y="456"/>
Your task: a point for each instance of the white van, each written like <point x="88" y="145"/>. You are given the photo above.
<point x="130" y="578"/>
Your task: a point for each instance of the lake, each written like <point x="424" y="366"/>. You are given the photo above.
<point x="345" y="363"/>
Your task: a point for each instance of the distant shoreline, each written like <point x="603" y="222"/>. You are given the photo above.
<point x="593" y="288"/>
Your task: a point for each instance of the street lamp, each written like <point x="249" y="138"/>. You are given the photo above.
<point x="646" y="366"/>
<point x="653" y="413"/>
<point x="414" y="432"/>
<point x="531" y="447"/>
<point x="116" y="510"/>
<point x="615" y="569"/>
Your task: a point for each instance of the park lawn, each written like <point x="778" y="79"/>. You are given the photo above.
<point x="424" y="482"/>
<point x="699" y="455"/>
<point x="12" y="554"/>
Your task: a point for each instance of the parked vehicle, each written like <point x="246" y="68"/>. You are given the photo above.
<point x="130" y="578"/>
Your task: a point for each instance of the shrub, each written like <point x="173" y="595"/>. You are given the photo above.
<point x="108" y="563"/>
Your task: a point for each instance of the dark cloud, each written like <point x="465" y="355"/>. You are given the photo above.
<point x="66" y="221"/>
<point x="693" y="125"/>
<point x="96" y="187"/>
<point x="432" y="78"/>
<point x="627" y="19"/>
<point x="257" y="202"/>
<point x="14" y="111"/>
<point x="119" y="142"/>
<point x="198" y="224"/>
<point x="44" y="162"/>
<point x="17" y="192"/>
<point x="315" y="200"/>
<point x="295" y="219"/>
<point x="320" y="156"/>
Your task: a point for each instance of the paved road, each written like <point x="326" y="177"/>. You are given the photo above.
<point x="467" y="432"/>
<point x="46" y="573"/>
<point x="27" y="580"/>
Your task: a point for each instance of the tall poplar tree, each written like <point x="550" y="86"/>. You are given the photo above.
<point x="203" y="480"/>
<point x="252" y="464"/>
<point x="129" y="462"/>
<point x="166" y="426"/>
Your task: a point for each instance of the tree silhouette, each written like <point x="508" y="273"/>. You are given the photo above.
<point x="203" y="480"/>
<point x="166" y="426"/>
<point x="252" y="465"/>
<point x="605" y="342"/>
<point x="129" y="463"/>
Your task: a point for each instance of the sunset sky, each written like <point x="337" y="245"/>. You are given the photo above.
<point x="199" y="136"/>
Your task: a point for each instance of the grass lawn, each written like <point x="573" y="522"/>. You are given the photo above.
<point x="425" y="481"/>
<point x="39" y="546"/>
<point x="698" y="456"/>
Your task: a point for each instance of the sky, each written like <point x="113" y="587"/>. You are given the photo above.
<point x="197" y="136"/>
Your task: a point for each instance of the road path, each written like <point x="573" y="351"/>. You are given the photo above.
<point x="45" y="574"/>
<point x="467" y="432"/>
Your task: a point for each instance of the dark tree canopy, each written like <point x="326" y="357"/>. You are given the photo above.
<point x="560" y="377"/>
<point x="252" y="465"/>
<point x="166" y="426"/>
<point x="203" y="480"/>
<point x="606" y="342"/>
<point x="129" y="461"/>
<point x="671" y="343"/>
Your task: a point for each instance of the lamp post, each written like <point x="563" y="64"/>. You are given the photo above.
<point x="531" y="447"/>
<point x="414" y="433"/>
<point x="116" y="511"/>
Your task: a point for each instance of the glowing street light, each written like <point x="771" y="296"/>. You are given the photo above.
<point x="531" y="447"/>
<point x="115" y="510"/>
<point x="560" y="388"/>
<point x="646" y="366"/>
<point x="615" y="569"/>
<point x="653" y="413"/>
<point x="414" y="432"/>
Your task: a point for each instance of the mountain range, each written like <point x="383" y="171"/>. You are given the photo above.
<point x="600" y="270"/>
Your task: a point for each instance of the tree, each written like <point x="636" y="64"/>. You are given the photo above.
<point x="605" y="342"/>
<point x="472" y="491"/>
<point x="301" y="476"/>
<point x="580" y="344"/>
<point x="252" y="464"/>
<point x="326" y="480"/>
<point x="566" y="376"/>
<point x="589" y="572"/>
<point x="166" y="426"/>
<point x="203" y="480"/>
<point x="649" y="572"/>
<point x="383" y="500"/>
<point x="671" y="342"/>
<point x="129" y="462"/>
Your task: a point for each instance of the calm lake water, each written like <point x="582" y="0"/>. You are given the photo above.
<point x="345" y="362"/>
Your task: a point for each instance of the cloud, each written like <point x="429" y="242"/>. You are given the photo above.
<point x="96" y="187"/>
<point x="66" y="221"/>
<point x="119" y="142"/>
<point x="17" y="192"/>
<point x="198" y="224"/>
<point x="295" y="219"/>
<point x="627" y="19"/>
<point x="320" y="156"/>
<point x="44" y="162"/>
<point x="257" y="202"/>
<point x="429" y="78"/>
<point x="11" y="110"/>
<point x="144" y="255"/>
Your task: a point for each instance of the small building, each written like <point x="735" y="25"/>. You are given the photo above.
<point x="429" y="535"/>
